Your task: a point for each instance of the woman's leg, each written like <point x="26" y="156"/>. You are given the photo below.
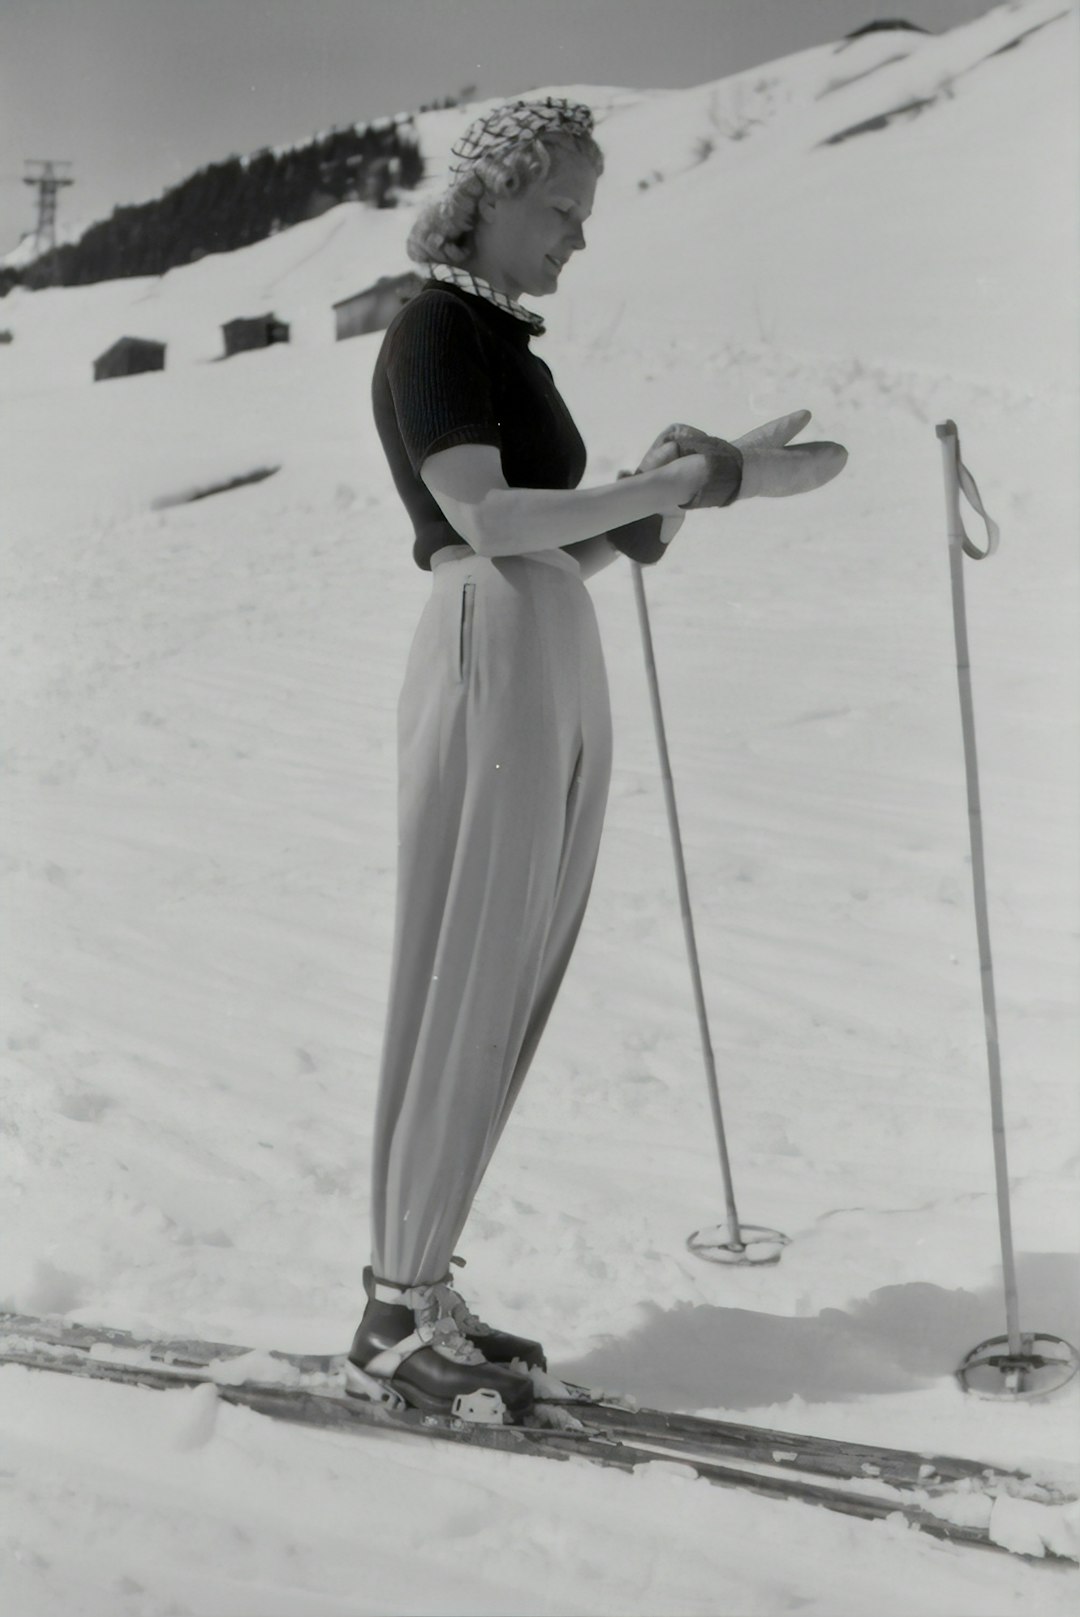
<point x="586" y="804"/>
<point x="501" y="799"/>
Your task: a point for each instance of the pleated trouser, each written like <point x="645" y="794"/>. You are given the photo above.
<point x="504" y="759"/>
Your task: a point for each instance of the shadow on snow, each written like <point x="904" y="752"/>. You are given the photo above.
<point x="898" y="1338"/>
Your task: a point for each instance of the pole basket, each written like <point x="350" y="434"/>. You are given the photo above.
<point x="1041" y="1365"/>
<point x="741" y="1244"/>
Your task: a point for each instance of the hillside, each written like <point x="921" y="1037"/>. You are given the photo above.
<point x="232" y="204"/>
<point x="197" y="869"/>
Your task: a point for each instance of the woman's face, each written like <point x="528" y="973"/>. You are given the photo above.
<point x="522" y="242"/>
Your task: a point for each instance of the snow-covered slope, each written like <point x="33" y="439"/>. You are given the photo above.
<point x="198" y="847"/>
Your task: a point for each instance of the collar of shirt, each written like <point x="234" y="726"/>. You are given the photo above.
<point x="483" y="289"/>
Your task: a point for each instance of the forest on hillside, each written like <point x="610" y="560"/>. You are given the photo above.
<point x="236" y="202"/>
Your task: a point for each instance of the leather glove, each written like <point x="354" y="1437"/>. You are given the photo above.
<point x="770" y="464"/>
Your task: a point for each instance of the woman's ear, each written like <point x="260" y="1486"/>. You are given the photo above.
<point x="486" y="208"/>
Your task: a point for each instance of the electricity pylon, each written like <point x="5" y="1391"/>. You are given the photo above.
<point x="47" y="184"/>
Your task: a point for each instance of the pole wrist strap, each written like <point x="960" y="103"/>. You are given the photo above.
<point x="969" y="489"/>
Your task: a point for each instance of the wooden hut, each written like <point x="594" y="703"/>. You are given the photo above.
<point x="259" y="331"/>
<point x="128" y="356"/>
<point x="374" y="308"/>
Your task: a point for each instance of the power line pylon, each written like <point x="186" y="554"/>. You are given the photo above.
<point x="47" y="184"/>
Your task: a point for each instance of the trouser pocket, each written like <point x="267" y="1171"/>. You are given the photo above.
<point x="465" y="630"/>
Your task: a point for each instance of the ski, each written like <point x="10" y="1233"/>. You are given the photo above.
<point x="301" y="1406"/>
<point x="830" y="1457"/>
<point x="834" y="1457"/>
<point x="307" y="1389"/>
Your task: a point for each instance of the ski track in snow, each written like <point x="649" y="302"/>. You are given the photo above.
<point x="198" y="867"/>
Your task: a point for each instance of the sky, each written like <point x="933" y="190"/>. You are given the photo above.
<point x="136" y="94"/>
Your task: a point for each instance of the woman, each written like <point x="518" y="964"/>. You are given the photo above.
<point x="504" y="724"/>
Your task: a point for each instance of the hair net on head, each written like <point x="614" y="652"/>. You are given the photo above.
<point x="507" y="126"/>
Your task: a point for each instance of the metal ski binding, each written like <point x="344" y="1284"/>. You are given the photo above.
<point x="484" y="1407"/>
<point x="358" y="1384"/>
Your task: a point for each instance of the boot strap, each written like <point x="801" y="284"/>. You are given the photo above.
<point x="382" y="1291"/>
<point x="388" y="1291"/>
<point x="450" y="1305"/>
<point x="455" y="1348"/>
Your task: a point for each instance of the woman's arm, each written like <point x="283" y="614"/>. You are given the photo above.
<point x="593" y="555"/>
<point x="468" y="485"/>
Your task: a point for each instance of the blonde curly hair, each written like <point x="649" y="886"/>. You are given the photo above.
<point x="444" y="229"/>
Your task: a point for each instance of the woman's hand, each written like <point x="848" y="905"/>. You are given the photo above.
<point x="662" y="450"/>
<point x="676" y="470"/>
<point x="679" y="482"/>
<point x="724" y="462"/>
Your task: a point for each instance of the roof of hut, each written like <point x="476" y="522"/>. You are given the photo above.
<point x="251" y="320"/>
<point x="133" y="342"/>
<point x="383" y="282"/>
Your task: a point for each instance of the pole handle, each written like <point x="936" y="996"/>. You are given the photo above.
<point x="961" y="482"/>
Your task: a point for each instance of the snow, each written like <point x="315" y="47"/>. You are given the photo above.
<point x="198" y="868"/>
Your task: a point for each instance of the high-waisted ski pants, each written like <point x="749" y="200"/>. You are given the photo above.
<point x="504" y="759"/>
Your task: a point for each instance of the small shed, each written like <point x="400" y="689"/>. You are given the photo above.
<point x="258" y="331"/>
<point x="374" y="308"/>
<point x="128" y="356"/>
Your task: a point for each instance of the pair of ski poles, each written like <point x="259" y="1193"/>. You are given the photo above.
<point x="1018" y="1363"/>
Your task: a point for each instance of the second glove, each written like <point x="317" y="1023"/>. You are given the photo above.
<point x="770" y="464"/>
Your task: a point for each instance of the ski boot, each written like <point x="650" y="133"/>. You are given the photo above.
<point x="498" y="1347"/>
<point x="409" y="1350"/>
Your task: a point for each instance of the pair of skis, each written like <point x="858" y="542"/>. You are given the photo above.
<point x="931" y="1492"/>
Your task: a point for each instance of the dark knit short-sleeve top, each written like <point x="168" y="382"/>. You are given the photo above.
<point x="455" y="369"/>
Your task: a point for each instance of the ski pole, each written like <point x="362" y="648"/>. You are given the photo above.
<point x="959" y="546"/>
<point x="734" y="1247"/>
<point x="1022" y="1358"/>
